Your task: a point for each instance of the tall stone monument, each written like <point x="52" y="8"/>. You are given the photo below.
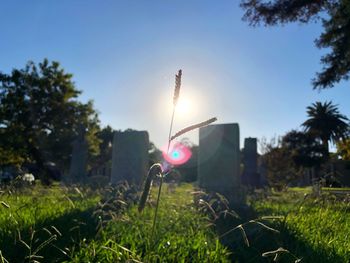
<point x="219" y="160"/>
<point x="130" y="156"/>
<point x="250" y="175"/>
<point x="77" y="170"/>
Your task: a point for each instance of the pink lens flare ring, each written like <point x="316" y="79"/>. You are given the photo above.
<point x="178" y="154"/>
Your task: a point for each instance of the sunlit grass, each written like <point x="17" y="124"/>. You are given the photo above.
<point x="61" y="221"/>
<point x="48" y="221"/>
<point x="181" y="235"/>
<point x="315" y="228"/>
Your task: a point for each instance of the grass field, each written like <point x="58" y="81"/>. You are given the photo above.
<point x="45" y="224"/>
<point x="81" y="225"/>
<point x="55" y="224"/>
<point x="182" y="235"/>
<point x="316" y="229"/>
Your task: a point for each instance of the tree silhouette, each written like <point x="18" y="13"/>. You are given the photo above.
<point x="105" y="136"/>
<point x="277" y="161"/>
<point x="40" y="117"/>
<point x="326" y="123"/>
<point x="304" y="149"/>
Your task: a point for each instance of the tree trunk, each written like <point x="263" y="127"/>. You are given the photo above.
<point x="43" y="171"/>
<point x="325" y="144"/>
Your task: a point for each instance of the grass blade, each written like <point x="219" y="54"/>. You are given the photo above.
<point x="192" y="127"/>
<point x="5" y="204"/>
<point x="245" y="238"/>
<point x="152" y="172"/>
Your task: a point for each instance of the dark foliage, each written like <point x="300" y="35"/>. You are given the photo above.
<point x="105" y="137"/>
<point x="280" y="168"/>
<point x="189" y="170"/>
<point x="304" y="149"/>
<point x="40" y="116"/>
<point x="326" y="123"/>
<point x="343" y="149"/>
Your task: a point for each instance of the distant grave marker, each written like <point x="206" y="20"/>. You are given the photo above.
<point x="130" y="156"/>
<point x="219" y="160"/>
<point x="250" y="175"/>
<point x="77" y="171"/>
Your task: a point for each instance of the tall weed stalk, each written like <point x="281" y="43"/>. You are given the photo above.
<point x="156" y="169"/>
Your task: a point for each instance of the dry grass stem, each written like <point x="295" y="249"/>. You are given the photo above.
<point x="192" y="127"/>
<point x="5" y="204"/>
<point x="2" y="259"/>
<point x="152" y="172"/>
<point x="264" y="226"/>
<point x="244" y="235"/>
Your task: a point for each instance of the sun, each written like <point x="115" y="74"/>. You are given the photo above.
<point x="184" y="106"/>
<point x="186" y="110"/>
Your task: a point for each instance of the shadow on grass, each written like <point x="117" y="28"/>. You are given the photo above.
<point x="73" y="228"/>
<point x="262" y="240"/>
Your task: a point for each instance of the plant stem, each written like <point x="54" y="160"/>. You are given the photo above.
<point x="156" y="212"/>
<point x="161" y="177"/>
<point x="171" y="128"/>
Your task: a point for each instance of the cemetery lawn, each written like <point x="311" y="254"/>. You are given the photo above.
<point x="58" y="225"/>
<point x="41" y="223"/>
<point x="314" y="229"/>
<point x="182" y="234"/>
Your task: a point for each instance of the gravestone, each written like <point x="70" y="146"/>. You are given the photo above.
<point x="250" y="176"/>
<point x="77" y="170"/>
<point x="219" y="160"/>
<point x="130" y="156"/>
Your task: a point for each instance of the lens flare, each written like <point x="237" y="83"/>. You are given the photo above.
<point x="178" y="154"/>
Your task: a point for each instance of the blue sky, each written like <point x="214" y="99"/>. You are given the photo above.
<point x="124" y="55"/>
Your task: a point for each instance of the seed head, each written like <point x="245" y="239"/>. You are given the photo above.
<point x="177" y="86"/>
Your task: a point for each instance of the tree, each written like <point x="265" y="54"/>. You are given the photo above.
<point x="105" y="137"/>
<point x="278" y="163"/>
<point x="287" y="158"/>
<point x="326" y="123"/>
<point x="155" y="155"/>
<point x="40" y="116"/>
<point x="343" y="149"/>
<point x="335" y="18"/>
<point x="305" y="151"/>
<point x="189" y="169"/>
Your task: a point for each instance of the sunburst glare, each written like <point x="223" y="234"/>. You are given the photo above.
<point x="184" y="106"/>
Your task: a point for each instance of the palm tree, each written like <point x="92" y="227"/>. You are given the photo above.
<point x="326" y="123"/>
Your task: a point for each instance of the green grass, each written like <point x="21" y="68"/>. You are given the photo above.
<point x="182" y="235"/>
<point x="345" y="189"/>
<point x="315" y="229"/>
<point x="59" y="223"/>
<point x="38" y="204"/>
<point x="302" y="190"/>
<point x="34" y="218"/>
